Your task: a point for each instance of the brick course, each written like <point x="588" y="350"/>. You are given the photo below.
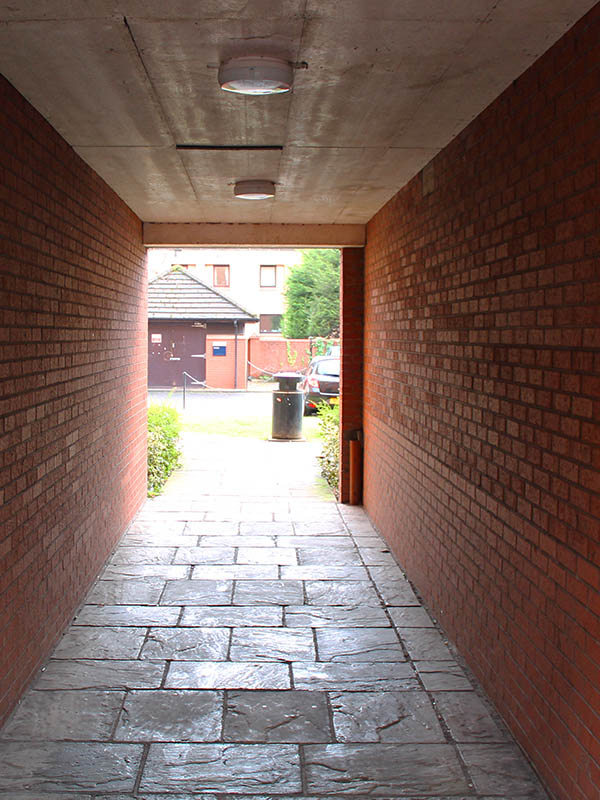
<point x="482" y="400"/>
<point x="73" y="375"/>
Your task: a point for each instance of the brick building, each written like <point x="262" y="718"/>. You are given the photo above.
<point x="195" y="329"/>
<point x="466" y="203"/>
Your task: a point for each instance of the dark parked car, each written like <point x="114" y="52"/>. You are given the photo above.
<point x="321" y="383"/>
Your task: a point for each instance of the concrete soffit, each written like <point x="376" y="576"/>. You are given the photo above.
<point x="215" y="234"/>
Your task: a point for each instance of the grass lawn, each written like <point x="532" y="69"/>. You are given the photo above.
<point x="254" y="427"/>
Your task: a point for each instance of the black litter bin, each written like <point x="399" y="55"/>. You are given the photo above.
<point x="288" y="407"/>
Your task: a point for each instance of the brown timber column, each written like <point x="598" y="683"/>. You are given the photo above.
<point x="352" y="332"/>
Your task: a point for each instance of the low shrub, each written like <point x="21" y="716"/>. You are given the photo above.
<point x="329" y="425"/>
<point x="164" y="453"/>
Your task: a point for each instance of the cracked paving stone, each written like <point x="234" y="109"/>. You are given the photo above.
<point x="501" y="769"/>
<point x="335" y="617"/>
<point x="468" y="718"/>
<point x="197" y="593"/>
<point x="60" y="766"/>
<point x="329" y="555"/>
<point x="134" y="591"/>
<point x="167" y="572"/>
<point x="383" y="770"/>
<point x="382" y="675"/>
<point x="254" y="572"/>
<point x="237" y="541"/>
<point x="315" y="541"/>
<point x="267" y="555"/>
<point x="271" y="592"/>
<point x="187" y="644"/>
<point x="316" y="572"/>
<point x="75" y="715"/>
<point x="233" y="616"/>
<point x="231" y="768"/>
<point x="127" y="616"/>
<point x="393" y="586"/>
<point x="170" y="715"/>
<point x="294" y="716"/>
<point x="424" y="644"/>
<point x="410" y="617"/>
<point x="266" y="528"/>
<point x="272" y="644"/>
<point x="440" y="676"/>
<point x="385" y="717"/>
<point x="228" y="675"/>
<point x="100" y="643"/>
<point x="142" y="555"/>
<point x="204" y="555"/>
<point x="100" y="674"/>
<point x="341" y="593"/>
<point x="358" y="644"/>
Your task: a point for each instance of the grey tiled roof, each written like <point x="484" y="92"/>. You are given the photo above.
<point x="179" y="295"/>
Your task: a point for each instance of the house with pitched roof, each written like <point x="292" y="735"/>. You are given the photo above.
<point x="193" y="328"/>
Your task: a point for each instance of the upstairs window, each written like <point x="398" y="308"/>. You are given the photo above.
<point x="270" y="323"/>
<point x="221" y="275"/>
<point x="268" y="276"/>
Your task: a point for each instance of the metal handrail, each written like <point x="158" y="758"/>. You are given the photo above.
<point x="187" y="375"/>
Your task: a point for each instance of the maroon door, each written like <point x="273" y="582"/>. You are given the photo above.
<point x="175" y="347"/>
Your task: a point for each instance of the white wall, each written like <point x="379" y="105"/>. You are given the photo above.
<point x="244" y="285"/>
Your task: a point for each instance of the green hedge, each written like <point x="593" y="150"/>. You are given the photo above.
<point x="329" y="424"/>
<point x="164" y="453"/>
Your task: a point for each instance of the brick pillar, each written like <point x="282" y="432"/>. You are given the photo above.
<point x="352" y="325"/>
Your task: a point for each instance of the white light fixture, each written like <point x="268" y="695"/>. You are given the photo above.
<point x="254" y="190"/>
<point x="256" y="75"/>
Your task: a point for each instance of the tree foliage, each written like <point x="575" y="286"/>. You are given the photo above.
<point x="312" y="296"/>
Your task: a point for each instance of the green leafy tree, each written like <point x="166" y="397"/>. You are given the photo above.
<point x="312" y="296"/>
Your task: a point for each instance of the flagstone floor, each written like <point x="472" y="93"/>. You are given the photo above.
<point x="252" y="638"/>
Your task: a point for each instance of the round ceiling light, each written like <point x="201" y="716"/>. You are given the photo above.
<point x="254" y="190"/>
<point x="256" y="75"/>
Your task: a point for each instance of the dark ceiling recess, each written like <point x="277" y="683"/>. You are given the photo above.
<point x="229" y="147"/>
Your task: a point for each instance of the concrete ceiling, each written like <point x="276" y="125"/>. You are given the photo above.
<point x="385" y="84"/>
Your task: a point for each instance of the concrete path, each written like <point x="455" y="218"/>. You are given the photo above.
<point x="251" y="638"/>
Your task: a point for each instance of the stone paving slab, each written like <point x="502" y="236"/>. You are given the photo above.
<point x="271" y="716"/>
<point x="170" y="715"/>
<point x="62" y="766"/>
<point x="382" y="675"/>
<point x="255" y="572"/>
<point x="255" y="646"/>
<point x="233" y="616"/>
<point x="385" y="717"/>
<point x="499" y="769"/>
<point x="101" y="674"/>
<point x="335" y="617"/>
<point x="186" y="644"/>
<point x="136" y="591"/>
<point x="272" y="644"/>
<point x="228" y="675"/>
<point x="269" y="592"/>
<point x="359" y="644"/>
<point x="87" y="715"/>
<point x="197" y="593"/>
<point x="101" y="643"/>
<point x="230" y="768"/>
<point x="381" y="770"/>
<point x="127" y="616"/>
<point x="168" y="572"/>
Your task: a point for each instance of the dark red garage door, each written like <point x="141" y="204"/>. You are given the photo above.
<point x="175" y="347"/>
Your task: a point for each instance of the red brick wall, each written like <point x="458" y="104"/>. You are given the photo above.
<point x="482" y="400"/>
<point x="270" y="355"/>
<point x="73" y="376"/>
<point x="351" y="378"/>
<point x="220" y="370"/>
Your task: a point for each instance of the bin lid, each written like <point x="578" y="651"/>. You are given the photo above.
<point x="288" y="381"/>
